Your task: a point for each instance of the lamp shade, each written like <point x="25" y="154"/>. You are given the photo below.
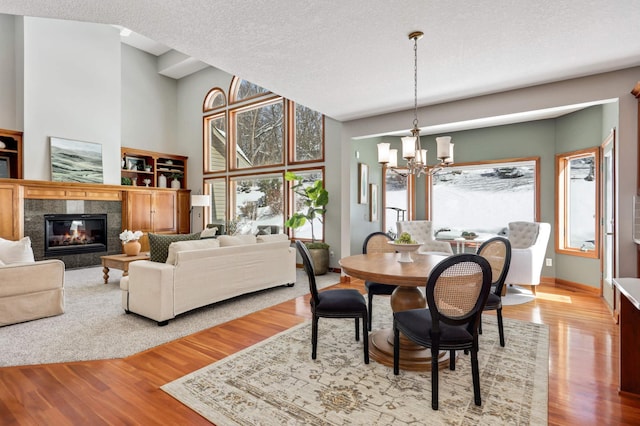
<point x="408" y="147"/>
<point x="200" y="200"/>
<point x="393" y="158"/>
<point x="443" y="146"/>
<point x="383" y="152"/>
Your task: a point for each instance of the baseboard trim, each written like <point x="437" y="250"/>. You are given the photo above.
<point x="570" y="285"/>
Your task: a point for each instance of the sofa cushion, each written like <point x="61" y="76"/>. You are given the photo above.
<point x="177" y="246"/>
<point x="236" y="240"/>
<point x="271" y="238"/>
<point x="209" y="233"/>
<point x="16" y="251"/>
<point x="159" y="244"/>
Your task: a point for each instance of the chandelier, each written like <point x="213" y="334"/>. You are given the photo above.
<point x="412" y="151"/>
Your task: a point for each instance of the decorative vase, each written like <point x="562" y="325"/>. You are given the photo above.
<point x="162" y="181"/>
<point x="175" y="184"/>
<point x="132" y="248"/>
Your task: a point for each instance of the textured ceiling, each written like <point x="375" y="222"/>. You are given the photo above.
<point x="352" y="59"/>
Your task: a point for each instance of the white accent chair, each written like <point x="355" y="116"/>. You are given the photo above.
<point x="528" y="248"/>
<point x="422" y="232"/>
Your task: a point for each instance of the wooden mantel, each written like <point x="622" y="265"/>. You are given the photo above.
<point x="13" y="192"/>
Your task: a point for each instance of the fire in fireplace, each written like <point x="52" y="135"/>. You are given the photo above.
<point x="74" y="233"/>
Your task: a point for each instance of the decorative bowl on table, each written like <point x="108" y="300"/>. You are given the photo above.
<point x="405" y="250"/>
<point x="469" y="235"/>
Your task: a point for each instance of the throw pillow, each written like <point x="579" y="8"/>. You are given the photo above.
<point x="16" y="251"/>
<point x="209" y="233"/>
<point x="159" y="244"/>
<point x="200" y="244"/>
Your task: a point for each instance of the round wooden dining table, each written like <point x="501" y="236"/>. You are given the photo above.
<point x="409" y="277"/>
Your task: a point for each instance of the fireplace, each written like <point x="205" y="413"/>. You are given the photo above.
<point x="74" y="234"/>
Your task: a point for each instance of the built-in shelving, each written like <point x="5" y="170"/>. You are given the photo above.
<point x="10" y="154"/>
<point x="146" y="168"/>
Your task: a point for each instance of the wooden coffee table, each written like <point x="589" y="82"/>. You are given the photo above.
<point x="119" y="261"/>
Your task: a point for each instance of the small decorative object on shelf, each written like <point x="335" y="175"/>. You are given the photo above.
<point x="162" y="181"/>
<point x="146" y="181"/>
<point x="130" y="244"/>
<point x="2" y="145"/>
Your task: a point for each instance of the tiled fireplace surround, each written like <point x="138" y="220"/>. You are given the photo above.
<point x="34" y="211"/>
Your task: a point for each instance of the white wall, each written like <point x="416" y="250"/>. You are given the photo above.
<point x="8" y="75"/>
<point x="149" y="105"/>
<point x="71" y="90"/>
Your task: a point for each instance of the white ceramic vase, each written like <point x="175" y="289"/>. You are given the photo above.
<point x="162" y="181"/>
<point x="175" y="184"/>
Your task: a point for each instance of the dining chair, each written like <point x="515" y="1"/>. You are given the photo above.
<point x="422" y="231"/>
<point x="456" y="291"/>
<point x="337" y="303"/>
<point x="528" y="248"/>
<point x="497" y="251"/>
<point x="377" y="242"/>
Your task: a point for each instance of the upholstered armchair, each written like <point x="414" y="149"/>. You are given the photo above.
<point x="422" y="232"/>
<point x="528" y="248"/>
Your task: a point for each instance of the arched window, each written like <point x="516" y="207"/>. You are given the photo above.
<point x="249" y="143"/>
<point x="215" y="99"/>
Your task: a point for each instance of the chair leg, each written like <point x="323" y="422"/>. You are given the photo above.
<point x="396" y="350"/>
<point x="452" y="360"/>
<point x="475" y="372"/>
<point x="500" y="327"/>
<point x="365" y="338"/>
<point x="434" y="377"/>
<point x="370" y="306"/>
<point x="480" y="325"/>
<point x="357" y="329"/>
<point x="314" y="336"/>
<point x="533" y="289"/>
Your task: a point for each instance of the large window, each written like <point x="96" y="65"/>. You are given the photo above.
<point x="484" y="197"/>
<point x="578" y="214"/>
<point x="397" y="199"/>
<point x="249" y="143"/>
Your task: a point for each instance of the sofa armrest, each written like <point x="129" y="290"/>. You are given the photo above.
<point x="22" y="278"/>
<point x="149" y="288"/>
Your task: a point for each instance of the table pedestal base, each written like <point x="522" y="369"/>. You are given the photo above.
<point x="412" y="357"/>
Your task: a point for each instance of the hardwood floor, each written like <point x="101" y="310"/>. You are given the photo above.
<point x="583" y="369"/>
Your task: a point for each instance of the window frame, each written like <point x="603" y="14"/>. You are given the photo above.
<point x="291" y="202"/>
<point x="562" y="227"/>
<point x="493" y="164"/>
<point x="232" y="137"/>
<point x="292" y="147"/>
<point x="206" y="146"/>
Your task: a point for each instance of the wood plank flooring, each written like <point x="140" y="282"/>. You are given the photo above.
<point x="583" y="369"/>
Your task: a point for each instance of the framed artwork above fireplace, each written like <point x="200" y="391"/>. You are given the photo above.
<point x="75" y="161"/>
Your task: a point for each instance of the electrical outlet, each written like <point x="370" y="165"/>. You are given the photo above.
<point x="549" y="262"/>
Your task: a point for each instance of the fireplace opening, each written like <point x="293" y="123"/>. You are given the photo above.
<point x="74" y="233"/>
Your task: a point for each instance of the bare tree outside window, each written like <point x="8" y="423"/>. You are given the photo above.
<point x="259" y="136"/>
<point x="309" y="131"/>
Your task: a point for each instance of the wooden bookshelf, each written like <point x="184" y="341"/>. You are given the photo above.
<point x="11" y="154"/>
<point x="145" y="168"/>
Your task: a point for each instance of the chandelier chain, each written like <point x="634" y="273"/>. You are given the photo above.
<point x="415" y="82"/>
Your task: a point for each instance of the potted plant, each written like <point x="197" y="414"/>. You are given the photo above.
<point x="130" y="244"/>
<point x="314" y="199"/>
<point x="175" y="183"/>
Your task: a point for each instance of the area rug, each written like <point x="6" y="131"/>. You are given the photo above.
<point x="277" y="383"/>
<point x="94" y="325"/>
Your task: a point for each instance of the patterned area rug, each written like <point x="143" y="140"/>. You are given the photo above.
<point x="276" y="382"/>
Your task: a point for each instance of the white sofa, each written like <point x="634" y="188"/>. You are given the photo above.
<point x="201" y="272"/>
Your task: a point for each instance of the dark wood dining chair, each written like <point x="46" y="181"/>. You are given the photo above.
<point x="497" y="251"/>
<point x="377" y="242"/>
<point x="456" y="291"/>
<point x="337" y="303"/>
